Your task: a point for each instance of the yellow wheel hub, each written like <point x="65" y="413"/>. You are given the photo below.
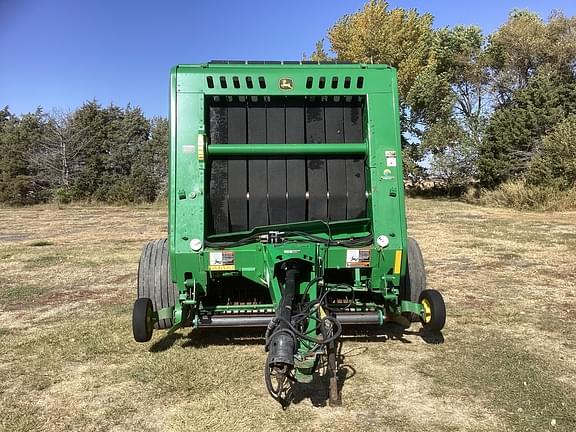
<point x="427" y="310"/>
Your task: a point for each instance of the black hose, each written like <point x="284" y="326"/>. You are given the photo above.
<point x="308" y="286"/>
<point x="282" y="342"/>
<point x="352" y="242"/>
<point x="318" y="341"/>
<point x="283" y="328"/>
<point x="241" y="242"/>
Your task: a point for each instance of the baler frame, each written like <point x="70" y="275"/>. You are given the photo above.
<point x="189" y="88"/>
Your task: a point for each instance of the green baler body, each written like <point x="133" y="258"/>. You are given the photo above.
<point x="195" y="88"/>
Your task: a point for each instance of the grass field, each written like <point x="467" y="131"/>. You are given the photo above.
<point x="68" y="361"/>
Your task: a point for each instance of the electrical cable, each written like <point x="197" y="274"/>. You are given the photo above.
<point x="351" y="242"/>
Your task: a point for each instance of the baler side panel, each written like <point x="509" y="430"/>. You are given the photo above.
<point x="187" y="181"/>
<point x="386" y="181"/>
<point x="173" y="120"/>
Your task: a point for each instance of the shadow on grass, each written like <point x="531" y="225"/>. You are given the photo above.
<point x="318" y="391"/>
<point x="205" y="337"/>
<point x="165" y="343"/>
<point x="391" y="332"/>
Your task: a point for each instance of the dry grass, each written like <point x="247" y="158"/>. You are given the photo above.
<point x="522" y="196"/>
<point x="68" y="362"/>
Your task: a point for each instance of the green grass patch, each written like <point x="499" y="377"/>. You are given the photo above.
<point x="518" y="384"/>
<point x="21" y="293"/>
<point x="47" y="260"/>
<point x="17" y="415"/>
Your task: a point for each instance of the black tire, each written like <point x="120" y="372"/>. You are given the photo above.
<point x="414" y="282"/>
<point x="155" y="279"/>
<point x="142" y="323"/>
<point x="433" y="301"/>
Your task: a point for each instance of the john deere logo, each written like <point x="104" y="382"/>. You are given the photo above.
<point x="286" y="84"/>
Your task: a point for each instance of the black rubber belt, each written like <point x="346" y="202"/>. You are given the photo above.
<point x="278" y="186"/>
<point x="276" y="133"/>
<point x="295" y="167"/>
<point x="237" y="168"/>
<point x="355" y="176"/>
<point x="316" y="167"/>
<point x="257" y="168"/>
<point x="219" y="170"/>
<point x="336" y="167"/>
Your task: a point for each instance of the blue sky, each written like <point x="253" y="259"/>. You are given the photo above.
<point x="60" y="53"/>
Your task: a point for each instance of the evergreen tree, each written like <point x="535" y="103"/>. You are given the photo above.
<point x="555" y="163"/>
<point x="97" y="153"/>
<point x="515" y="131"/>
<point x="18" y="139"/>
<point x="92" y="124"/>
<point x="127" y="143"/>
<point x="157" y="152"/>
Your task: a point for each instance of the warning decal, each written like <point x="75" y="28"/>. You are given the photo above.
<point x="221" y="261"/>
<point x="390" y="158"/>
<point x="357" y="258"/>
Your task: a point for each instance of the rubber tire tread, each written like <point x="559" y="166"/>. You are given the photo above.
<point x="415" y="279"/>
<point x="438" y="309"/>
<point x="139" y="330"/>
<point x="415" y="271"/>
<point x="155" y="280"/>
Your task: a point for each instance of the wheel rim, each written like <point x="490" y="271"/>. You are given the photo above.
<point x="427" y="311"/>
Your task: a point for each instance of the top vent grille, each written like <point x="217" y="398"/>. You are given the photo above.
<point x="248" y="82"/>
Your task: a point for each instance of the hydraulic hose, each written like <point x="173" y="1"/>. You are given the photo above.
<point x="282" y="343"/>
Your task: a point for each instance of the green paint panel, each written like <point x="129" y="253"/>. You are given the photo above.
<point x="191" y="153"/>
<point x="282" y="149"/>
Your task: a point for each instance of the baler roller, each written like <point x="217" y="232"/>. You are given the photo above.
<point x="262" y="320"/>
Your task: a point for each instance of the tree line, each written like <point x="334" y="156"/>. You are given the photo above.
<point x="476" y="109"/>
<point x="95" y="153"/>
<point x="492" y="109"/>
